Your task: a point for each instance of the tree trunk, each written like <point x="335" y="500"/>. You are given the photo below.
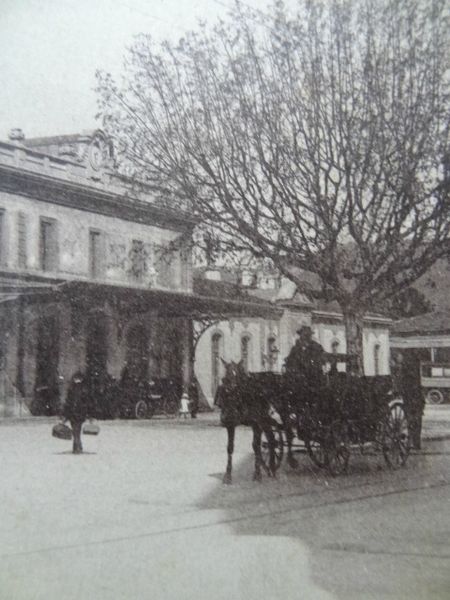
<point x="353" y="323"/>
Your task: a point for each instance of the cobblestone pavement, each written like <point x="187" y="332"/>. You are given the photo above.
<point x="143" y="514"/>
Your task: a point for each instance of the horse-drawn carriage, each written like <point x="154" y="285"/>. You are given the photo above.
<point x="340" y="413"/>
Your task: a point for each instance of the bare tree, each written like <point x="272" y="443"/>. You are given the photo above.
<point x="318" y="140"/>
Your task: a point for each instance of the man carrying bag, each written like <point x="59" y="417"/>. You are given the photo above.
<point x="78" y="407"/>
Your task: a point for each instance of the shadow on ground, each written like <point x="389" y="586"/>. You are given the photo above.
<point x="360" y="540"/>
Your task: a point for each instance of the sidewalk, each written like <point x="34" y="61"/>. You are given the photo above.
<point x="203" y="419"/>
<point x="436" y="423"/>
<point x="435" y="427"/>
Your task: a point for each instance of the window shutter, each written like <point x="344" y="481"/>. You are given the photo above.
<point x="54" y="246"/>
<point x="164" y="263"/>
<point x="22" y="240"/>
<point x="49" y="249"/>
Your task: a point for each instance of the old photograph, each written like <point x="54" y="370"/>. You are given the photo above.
<point x="225" y="299"/>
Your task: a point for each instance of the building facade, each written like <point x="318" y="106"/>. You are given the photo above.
<point x="95" y="273"/>
<point x="92" y="273"/>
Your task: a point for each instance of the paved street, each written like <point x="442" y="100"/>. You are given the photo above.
<point x="143" y="514"/>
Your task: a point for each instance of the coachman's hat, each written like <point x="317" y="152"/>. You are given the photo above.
<point x="304" y="329"/>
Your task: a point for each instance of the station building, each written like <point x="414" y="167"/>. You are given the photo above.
<point x="92" y="272"/>
<point x="96" y="273"/>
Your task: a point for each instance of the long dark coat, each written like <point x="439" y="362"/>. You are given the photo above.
<point x="78" y="406"/>
<point x="304" y="365"/>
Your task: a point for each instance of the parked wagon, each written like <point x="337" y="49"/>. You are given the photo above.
<point x="435" y="381"/>
<point x="142" y="398"/>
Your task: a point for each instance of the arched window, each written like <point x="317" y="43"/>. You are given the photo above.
<point x="97" y="343"/>
<point x="376" y="359"/>
<point x="47" y="351"/>
<point x="245" y="352"/>
<point x="137" y="352"/>
<point x="216" y="342"/>
<point x="272" y="353"/>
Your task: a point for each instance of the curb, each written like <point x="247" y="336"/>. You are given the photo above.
<point x="188" y="423"/>
<point x="199" y="422"/>
<point x="5" y="421"/>
<point x="440" y="437"/>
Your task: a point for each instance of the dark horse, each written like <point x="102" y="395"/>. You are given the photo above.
<point x="244" y="401"/>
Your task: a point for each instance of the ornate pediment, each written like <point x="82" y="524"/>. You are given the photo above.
<point x="93" y="149"/>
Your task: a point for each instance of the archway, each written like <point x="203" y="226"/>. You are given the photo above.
<point x="97" y="343"/>
<point x="137" y="356"/>
<point x="46" y="389"/>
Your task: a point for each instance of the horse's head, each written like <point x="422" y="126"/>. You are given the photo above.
<point x="233" y="372"/>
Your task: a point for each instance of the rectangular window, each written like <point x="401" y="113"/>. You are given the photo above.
<point x="245" y="352"/>
<point x="138" y="260"/>
<point x="376" y="358"/>
<point x="95" y="254"/>
<point x="48" y="245"/>
<point x="442" y="354"/>
<point x="21" y="240"/>
<point x="165" y="266"/>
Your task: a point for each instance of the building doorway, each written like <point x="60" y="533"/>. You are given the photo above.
<point x="137" y="352"/>
<point x="46" y="399"/>
<point x="97" y="344"/>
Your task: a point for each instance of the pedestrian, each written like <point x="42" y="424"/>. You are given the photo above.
<point x="406" y="375"/>
<point x="184" y="408"/>
<point x="193" y="397"/>
<point x="78" y="407"/>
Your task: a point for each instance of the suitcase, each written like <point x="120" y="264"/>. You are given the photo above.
<point x="62" y="431"/>
<point x="91" y="429"/>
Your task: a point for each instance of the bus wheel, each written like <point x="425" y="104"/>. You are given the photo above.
<point x="434" y="397"/>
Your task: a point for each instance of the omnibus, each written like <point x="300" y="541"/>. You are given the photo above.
<point x="435" y="381"/>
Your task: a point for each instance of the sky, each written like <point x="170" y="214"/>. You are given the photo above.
<point x="50" y="50"/>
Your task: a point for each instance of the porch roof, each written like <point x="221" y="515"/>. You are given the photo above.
<point x="13" y="288"/>
<point x="134" y="298"/>
<point x="167" y="303"/>
<point x="437" y="322"/>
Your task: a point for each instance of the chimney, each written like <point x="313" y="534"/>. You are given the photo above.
<point x="16" y="135"/>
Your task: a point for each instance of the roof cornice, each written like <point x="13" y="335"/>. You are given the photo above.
<point x="368" y="318"/>
<point x="90" y="198"/>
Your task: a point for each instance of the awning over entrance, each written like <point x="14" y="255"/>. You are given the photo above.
<point x="12" y="289"/>
<point x="167" y="303"/>
<point x="137" y="299"/>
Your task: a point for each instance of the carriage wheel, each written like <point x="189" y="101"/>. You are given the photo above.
<point x="279" y="448"/>
<point x="141" y="409"/>
<point x="316" y="452"/>
<point x="434" y="397"/>
<point x="337" y="460"/>
<point x="395" y="438"/>
<point x="337" y="452"/>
